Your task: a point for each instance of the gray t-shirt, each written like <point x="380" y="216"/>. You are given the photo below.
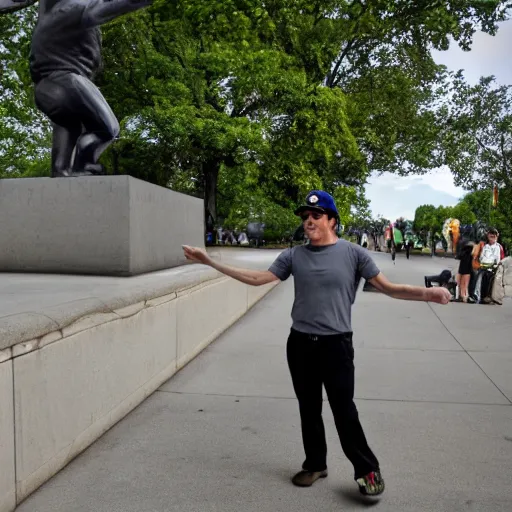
<point x="326" y="280"/>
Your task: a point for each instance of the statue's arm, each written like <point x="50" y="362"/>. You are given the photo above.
<point x="7" y="6"/>
<point x="98" y="12"/>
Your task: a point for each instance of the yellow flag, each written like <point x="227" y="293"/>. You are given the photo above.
<point x="495" y="196"/>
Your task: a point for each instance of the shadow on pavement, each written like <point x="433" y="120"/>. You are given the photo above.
<point x="353" y="496"/>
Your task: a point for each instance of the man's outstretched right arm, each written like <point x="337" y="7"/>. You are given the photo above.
<point x="244" y="275"/>
<point x="7" y="6"/>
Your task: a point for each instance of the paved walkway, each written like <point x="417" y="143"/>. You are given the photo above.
<point x="434" y="391"/>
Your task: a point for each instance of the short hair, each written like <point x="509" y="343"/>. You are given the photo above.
<point x="492" y="231"/>
<point x="332" y="215"/>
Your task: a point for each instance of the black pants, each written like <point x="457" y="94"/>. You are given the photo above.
<point x="328" y="360"/>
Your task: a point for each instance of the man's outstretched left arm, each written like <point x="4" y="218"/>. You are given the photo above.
<point x="408" y="292"/>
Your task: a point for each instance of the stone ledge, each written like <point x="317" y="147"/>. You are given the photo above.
<point x="32" y="310"/>
<point x="26" y="327"/>
<point x="93" y="320"/>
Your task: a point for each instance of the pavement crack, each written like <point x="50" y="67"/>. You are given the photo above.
<point x="357" y="399"/>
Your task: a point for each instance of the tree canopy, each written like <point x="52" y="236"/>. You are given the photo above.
<point x="252" y="104"/>
<point x="477" y="138"/>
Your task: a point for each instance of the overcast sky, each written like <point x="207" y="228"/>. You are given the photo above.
<point x="395" y="197"/>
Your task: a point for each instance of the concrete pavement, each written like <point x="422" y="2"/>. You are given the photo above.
<point x="433" y="387"/>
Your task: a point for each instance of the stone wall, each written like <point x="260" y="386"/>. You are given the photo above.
<point x="60" y="391"/>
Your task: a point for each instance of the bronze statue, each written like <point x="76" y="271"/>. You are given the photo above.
<point x="64" y="58"/>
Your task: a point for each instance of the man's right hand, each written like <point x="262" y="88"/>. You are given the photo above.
<point x="196" y="254"/>
<point x="438" y="294"/>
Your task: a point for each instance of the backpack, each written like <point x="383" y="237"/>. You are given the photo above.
<point x="475" y="263"/>
<point x="502" y="285"/>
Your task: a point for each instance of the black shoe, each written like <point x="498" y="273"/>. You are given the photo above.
<point x="306" y="478"/>
<point x="68" y="173"/>
<point x="95" y="169"/>
<point x="63" y="173"/>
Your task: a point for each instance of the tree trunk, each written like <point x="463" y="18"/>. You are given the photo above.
<point x="211" y="176"/>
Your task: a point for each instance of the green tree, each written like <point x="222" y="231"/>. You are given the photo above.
<point x="282" y="98"/>
<point x="24" y="132"/>
<point x="479" y="202"/>
<point x="429" y="219"/>
<point x="385" y="67"/>
<point x="477" y="138"/>
<point x="463" y="213"/>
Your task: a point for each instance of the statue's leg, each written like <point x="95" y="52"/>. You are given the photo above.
<point x="53" y="99"/>
<point x="64" y="142"/>
<point x="101" y="126"/>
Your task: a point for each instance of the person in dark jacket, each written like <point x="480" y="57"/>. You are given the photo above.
<point x="465" y="270"/>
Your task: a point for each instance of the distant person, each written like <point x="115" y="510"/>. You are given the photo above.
<point x="320" y="352"/>
<point x="408" y="244"/>
<point x="465" y="270"/>
<point x="242" y="239"/>
<point x="486" y="257"/>
<point x="441" y="279"/>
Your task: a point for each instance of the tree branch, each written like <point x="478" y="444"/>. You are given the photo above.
<point x="331" y="81"/>
<point x="503" y="155"/>
<point x="483" y="146"/>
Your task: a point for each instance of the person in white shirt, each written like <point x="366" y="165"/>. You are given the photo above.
<point x="491" y="252"/>
<point x="489" y="256"/>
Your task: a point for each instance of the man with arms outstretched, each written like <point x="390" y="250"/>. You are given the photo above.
<point x="327" y="272"/>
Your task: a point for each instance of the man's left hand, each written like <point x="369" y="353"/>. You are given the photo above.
<point x="439" y="295"/>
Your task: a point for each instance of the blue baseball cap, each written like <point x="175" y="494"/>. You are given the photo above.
<point x="320" y="201"/>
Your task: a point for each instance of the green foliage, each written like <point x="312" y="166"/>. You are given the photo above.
<point x="463" y="213"/>
<point x="256" y="103"/>
<point x="426" y="218"/>
<point x="317" y="95"/>
<point x="24" y="132"/>
<point x="480" y="204"/>
<point x="477" y="138"/>
<point x="279" y="222"/>
<point x="474" y="206"/>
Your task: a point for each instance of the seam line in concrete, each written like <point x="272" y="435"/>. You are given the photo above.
<point x="14" y="434"/>
<point x="407" y="401"/>
<point x="468" y="354"/>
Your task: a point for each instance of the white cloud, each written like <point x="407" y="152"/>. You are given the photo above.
<point x="488" y="56"/>
<point x="395" y="196"/>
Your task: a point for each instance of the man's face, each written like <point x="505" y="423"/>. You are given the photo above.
<point x="316" y="224"/>
<point x="492" y="238"/>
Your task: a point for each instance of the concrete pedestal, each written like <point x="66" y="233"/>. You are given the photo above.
<point x="101" y="225"/>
